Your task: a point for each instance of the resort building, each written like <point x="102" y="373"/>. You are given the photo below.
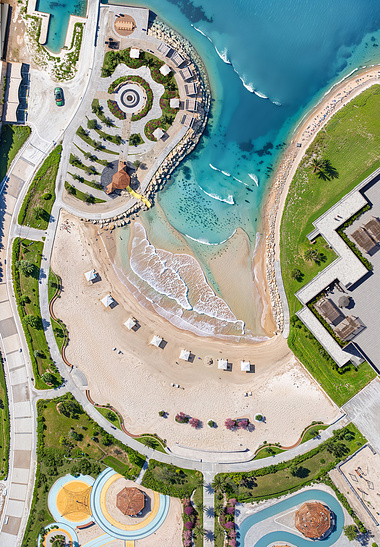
<point x="190" y="89"/>
<point x="186" y="73"/>
<point x="191" y="105"/>
<point x="177" y="59"/>
<point x="165" y="70"/>
<point x="351" y="281"/>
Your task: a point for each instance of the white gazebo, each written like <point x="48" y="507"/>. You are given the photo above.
<point x="107" y="300"/>
<point x="134" y="53"/>
<point x="156" y="341"/>
<point x="184" y="355"/>
<point x="165" y="70"/>
<point x="174" y="103"/>
<point x="158" y="133"/>
<point x="91" y="275"/>
<point x="130" y="323"/>
<point x="245" y="366"/>
<point x="222" y="364"/>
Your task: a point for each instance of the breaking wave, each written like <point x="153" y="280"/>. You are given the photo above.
<point x="254" y="177"/>
<point x="230" y="200"/>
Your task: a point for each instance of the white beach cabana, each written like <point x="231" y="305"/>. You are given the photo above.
<point x="158" y="133"/>
<point x="245" y="366"/>
<point x="174" y="103"/>
<point x="184" y="355"/>
<point x="165" y="70"/>
<point x="130" y="323"/>
<point x="134" y="53"/>
<point x="91" y="275"/>
<point x="107" y="301"/>
<point x="156" y="341"/>
<point x="222" y="364"/>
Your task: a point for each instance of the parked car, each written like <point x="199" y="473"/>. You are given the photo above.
<point x="58" y="95"/>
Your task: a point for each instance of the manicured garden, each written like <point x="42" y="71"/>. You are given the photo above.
<point x="70" y="442"/>
<point x="59" y="328"/>
<point x="275" y="480"/>
<point x="171" y="480"/>
<point x="26" y="261"/>
<point x="97" y="145"/>
<point x="87" y="198"/>
<point x="11" y="140"/>
<point x="4" y="424"/>
<point x="110" y="415"/>
<point x="142" y="83"/>
<point x="36" y="208"/>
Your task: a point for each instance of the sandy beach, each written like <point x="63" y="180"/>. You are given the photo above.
<point x="136" y="377"/>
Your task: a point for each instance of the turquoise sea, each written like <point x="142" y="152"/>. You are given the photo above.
<point x="59" y="19"/>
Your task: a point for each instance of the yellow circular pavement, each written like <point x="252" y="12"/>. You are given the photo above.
<point x="73" y="501"/>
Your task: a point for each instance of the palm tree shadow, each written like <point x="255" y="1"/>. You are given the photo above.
<point x="330" y="170"/>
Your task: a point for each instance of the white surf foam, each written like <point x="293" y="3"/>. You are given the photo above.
<point x="254" y="178"/>
<point x="277" y="103"/>
<point x="205" y="242"/>
<point x="230" y="200"/>
<point x="223" y="55"/>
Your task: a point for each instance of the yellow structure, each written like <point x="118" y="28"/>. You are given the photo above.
<point x="73" y="501"/>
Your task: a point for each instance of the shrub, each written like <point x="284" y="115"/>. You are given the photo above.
<point x="162" y="413"/>
<point x="189" y="525"/>
<point x="181" y="418"/>
<point x="194" y="422"/>
<point x="243" y="424"/>
<point x="230" y="424"/>
<point x="115" y="110"/>
<point x="189" y="510"/>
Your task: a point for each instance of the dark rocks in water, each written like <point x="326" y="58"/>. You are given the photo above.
<point x="246" y="201"/>
<point x="249" y="189"/>
<point x="192" y="12"/>
<point x="246" y="146"/>
<point x="265" y="150"/>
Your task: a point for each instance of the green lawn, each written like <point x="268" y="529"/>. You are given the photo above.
<point x="27" y="296"/>
<point x="4" y="424"/>
<point x="266" y="452"/>
<point x="110" y="415"/>
<point x="81" y="195"/>
<point x="11" y="140"/>
<point x="171" y="480"/>
<point x="86" y="138"/>
<point x="339" y="384"/>
<point x="59" y="328"/>
<point x="197" y="499"/>
<point x="150" y="440"/>
<point x="90" y="183"/>
<point x="102" y="162"/>
<point x="41" y="193"/>
<point x="67" y="444"/>
<point x="313" y="432"/>
<point x="355" y="154"/>
<point x="277" y="479"/>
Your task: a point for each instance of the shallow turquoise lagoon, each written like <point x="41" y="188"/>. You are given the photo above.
<point x="60" y="15"/>
<point x="272" y="511"/>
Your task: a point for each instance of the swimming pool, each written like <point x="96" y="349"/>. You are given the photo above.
<point x="273" y="510"/>
<point x="59" y="19"/>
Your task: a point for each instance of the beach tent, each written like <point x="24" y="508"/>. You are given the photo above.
<point x="134" y="53"/>
<point x="130" y="323"/>
<point x="222" y="364"/>
<point x="184" y="355"/>
<point x="91" y="275"/>
<point x="165" y="70"/>
<point x="156" y="341"/>
<point x="158" y="133"/>
<point x="245" y="366"/>
<point x="107" y="300"/>
<point x="174" y="103"/>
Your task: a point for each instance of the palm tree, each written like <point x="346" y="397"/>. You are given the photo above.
<point x="317" y="164"/>
<point x="108" y="122"/>
<point x="198" y="531"/>
<point x="219" y="483"/>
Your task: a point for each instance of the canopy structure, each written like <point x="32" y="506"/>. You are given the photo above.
<point x="120" y="180"/>
<point x="107" y="300"/>
<point x="91" y="275"/>
<point x="222" y="364"/>
<point x="156" y="341"/>
<point x="130" y="501"/>
<point x="165" y="70"/>
<point x="344" y="301"/>
<point x="174" y="103"/>
<point x="134" y="53"/>
<point x="245" y="366"/>
<point x="313" y="520"/>
<point x="184" y="355"/>
<point x="130" y="323"/>
<point x="158" y="133"/>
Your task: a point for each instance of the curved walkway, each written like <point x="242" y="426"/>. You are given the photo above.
<point x="287" y="537"/>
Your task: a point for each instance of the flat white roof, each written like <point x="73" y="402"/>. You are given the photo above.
<point x="134" y="53"/>
<point x="107" y="300"/>
<point x="164" y="48"/>
<point x="174" y="103"/>
<point x="184" y="355"/>
<point x="158" y="133"/>
<point x="156" y="341"/>
<point x="245" y="366"/>
<point x="222" y="364"/>
<point x="91" y="275"/>
<point x="130" y="323"/>
<point x="165" y="70"/>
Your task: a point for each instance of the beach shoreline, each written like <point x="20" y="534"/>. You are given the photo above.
<point x="305" y="132"/>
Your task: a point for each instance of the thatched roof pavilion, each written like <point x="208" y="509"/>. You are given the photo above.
<point x="130" y="501"/>
<point x="313" y="520"/>
<point x="120" y="180"/>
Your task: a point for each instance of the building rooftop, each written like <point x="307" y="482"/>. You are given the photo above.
<point x="130" y="501"/>
<point x="328" y="310"/>
<point x="373" y="228"/>
<point x="120" y="180"/>
<point x="313" y="520"/>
